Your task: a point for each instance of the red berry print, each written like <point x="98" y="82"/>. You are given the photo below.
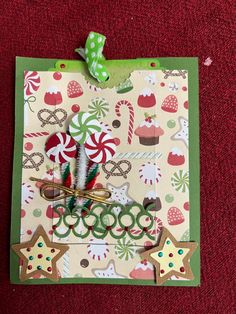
<point x="117" y="141"/>
<point x="28" y="146"/>
<point x="184" y="88"/>
<point x="22" y="213"/>
<point x="186" y="104"/>
<point x="29" y="232"/>
<point x="75" y="108"/>
<point x="148" y="245"/>
<point x="162" y="84"/>
<point x="186" y="205"/>
<point x="57" y="76"/>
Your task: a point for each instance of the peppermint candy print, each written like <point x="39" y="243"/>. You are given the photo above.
<point x="150" y="173"/>
<point x="98" y="107"/>
<point x="82" y="125"/>
<point x="31" y="82"/>
<point x="105" y="127"/>
<point x="60" y="147"/>
<point x="27" y="194"/>
<point x="180" y="181"/>
<point x="125" y="249"/>
<point x="100" y="147"/>
<point x="98" y="249"/>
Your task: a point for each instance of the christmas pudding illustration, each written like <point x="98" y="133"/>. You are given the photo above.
<point x="53" y="96"/>
<point x="146" y="99"/>
<point x="170" y="104"/>
<point x="151" y="198"/>
<point x="176" y="157"/>
<point x="143" y="270"/>
<point x="149" y="131"/>
<point x="52" y="176"/>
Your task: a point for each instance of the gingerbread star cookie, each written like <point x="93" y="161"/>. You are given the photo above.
<point x="171" y="257"/>
<point x="108" y="272"/>
<point x="182" y="134"/>
<point x="39" y="256"/>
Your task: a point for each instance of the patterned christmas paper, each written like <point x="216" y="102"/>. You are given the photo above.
<point x="145" y="161"/>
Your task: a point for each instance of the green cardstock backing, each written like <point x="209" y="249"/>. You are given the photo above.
<point x="114" y="67"/>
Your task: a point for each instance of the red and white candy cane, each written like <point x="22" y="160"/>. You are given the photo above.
<point x="131" y="116"/>
<point x="36" y="134"/>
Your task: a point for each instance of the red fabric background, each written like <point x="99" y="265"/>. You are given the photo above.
<point x="52" y="29"/>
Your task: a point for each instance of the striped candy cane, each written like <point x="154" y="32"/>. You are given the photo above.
<point x="67" y="181"/>
<point x="36" y="134"/>
<point x="137" y="155"/>
<point x="66" y="265"/>
<point x="131" y="116"/>
<point x="92" y="173"/>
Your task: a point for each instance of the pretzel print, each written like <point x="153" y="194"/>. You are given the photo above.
<point x="52" y="117"/>
<point x="117" y="166"/>
<point x="29" y="161"/>
<point x="169" y="73"/>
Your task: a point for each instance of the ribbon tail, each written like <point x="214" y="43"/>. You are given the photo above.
<point x="94" y="57"/>
<point x="81" y="52"/>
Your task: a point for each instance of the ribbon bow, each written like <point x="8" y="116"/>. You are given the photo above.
<point x="29" y="100"/>
<point x="94" y="57"/>
<point x="98" y="195"/>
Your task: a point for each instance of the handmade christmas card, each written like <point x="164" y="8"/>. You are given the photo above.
<point x="106" y="171"/>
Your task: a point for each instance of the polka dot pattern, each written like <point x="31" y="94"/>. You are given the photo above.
<point x="93" y="56"/>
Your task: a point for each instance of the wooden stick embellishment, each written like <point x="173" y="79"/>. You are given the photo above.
<point x="171" y="257"/>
